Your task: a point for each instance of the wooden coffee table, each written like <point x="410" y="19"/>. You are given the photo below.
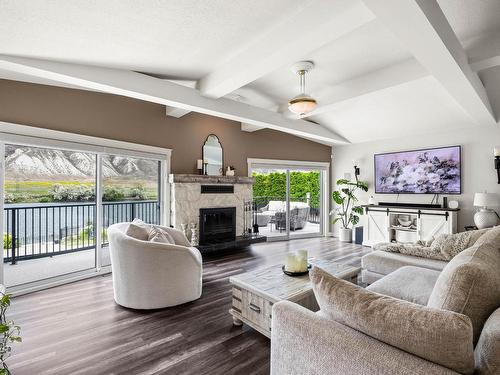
<point x="255" y="292"/>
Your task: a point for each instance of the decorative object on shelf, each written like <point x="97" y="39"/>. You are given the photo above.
<point x="230" y="170"/>
<point x="199" y="166"/>
<point x="205" y="167"/>
<point x="485" y="217"/>
<point x="296" y="263"/>
<point x="404" y="220"/>
<point x="445" y="202"/>
<point x="194" y="234"/>
<point x="345" y="198"/>
<point x="453" y="205"/>
<point x="184" y="230"/>
<point x="213" y="156"/>
<point x="372" y="201"/>
<point x="302" y="104"/>
<point x="496" y="152"/>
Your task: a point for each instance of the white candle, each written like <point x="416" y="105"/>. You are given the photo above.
<point x="302" y="253"/>
<point x="199" y="164"/>
<point x="496" y="151"/>
<point x="290" y="262"/>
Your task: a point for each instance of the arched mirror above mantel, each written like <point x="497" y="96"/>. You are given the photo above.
<point x="213" y="156"/>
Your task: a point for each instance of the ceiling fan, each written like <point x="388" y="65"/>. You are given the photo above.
<point x="302" y="103"/>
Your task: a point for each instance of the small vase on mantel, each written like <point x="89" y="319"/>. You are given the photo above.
<point x="184" y="230"/>
<point x="194" y="234"/>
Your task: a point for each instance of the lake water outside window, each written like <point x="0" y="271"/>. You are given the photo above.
<point x="50" y="209"/>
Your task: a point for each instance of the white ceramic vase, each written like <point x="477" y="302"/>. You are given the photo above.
<point x="345" y="235"/>
<point x="485" y="218"/>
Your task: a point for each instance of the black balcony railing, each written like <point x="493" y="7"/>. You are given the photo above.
<point x="314" y="213"/>
<point x="40" y="230"/>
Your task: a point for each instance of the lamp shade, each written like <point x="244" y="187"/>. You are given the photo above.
<point x="485" y="200"/>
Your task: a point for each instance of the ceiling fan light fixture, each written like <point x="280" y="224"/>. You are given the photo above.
<point x="302" y="104"/>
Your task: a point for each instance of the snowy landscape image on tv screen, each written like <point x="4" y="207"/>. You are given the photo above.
<point x="432" y="171"/>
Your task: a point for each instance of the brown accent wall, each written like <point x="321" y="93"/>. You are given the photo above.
<point x="125" y="119"/>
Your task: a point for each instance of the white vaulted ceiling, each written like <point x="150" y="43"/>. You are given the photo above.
<point x="183" y="39"/>
<point x="380" y="70"/>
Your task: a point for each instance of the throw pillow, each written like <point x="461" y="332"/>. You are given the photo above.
<point x="139" y="230"/>
<point x="470" y="283"/>
<point x="399" y="323"/>
<point x="158" y="235"/>
<point x="487" y="350"/>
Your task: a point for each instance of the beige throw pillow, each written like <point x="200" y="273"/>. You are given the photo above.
<point x="470" y="282"/>
<point x="487" y="350"/>
<point x="440" y="336"/>
<point x="158" y="235"/>
<point x="139" y="230"/>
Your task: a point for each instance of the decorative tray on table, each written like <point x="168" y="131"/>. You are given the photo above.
<point x="296" y="273"/>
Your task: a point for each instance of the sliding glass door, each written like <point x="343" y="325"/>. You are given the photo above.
<point x="271" y="197"/>
<point x="130" y="190"/>
<point x="49" y="210"/>
<point x="305" y="203"/>
<point x="59" y="201"/>
<point x="289" y="198"/>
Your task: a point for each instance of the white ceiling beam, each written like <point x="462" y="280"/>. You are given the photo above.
<point x="484" y="64"/>
<point x="250" y="128"/>
<point x="175" y="112"/>
<point x="422" y="28"/>
<point x="143" y="87"/>
<point x="394" y="75"/>
<point x="178" y="112"/>
<point x="484" y="52"/>
<point x="316" y="24"/>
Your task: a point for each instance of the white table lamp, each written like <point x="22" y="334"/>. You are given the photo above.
<point x="485" y="217"/>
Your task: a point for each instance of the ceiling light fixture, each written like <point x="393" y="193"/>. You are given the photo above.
<point x="302" y="103"/>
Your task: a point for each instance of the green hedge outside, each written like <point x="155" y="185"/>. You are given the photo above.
<point x="274" y="185"/>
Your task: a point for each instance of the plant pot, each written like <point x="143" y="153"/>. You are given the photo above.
<point x="345" y="235"/>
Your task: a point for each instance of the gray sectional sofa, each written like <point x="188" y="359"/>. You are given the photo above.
<point x="414" y="320"/>
<point x="378" y="264"/>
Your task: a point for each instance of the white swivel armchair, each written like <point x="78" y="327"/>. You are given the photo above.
<point x="152" y="275"/>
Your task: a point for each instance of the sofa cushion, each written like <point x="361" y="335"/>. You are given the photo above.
<point x="139" y="230"/>
<point x="470" y="283"/>
<point x="412" y="284"/>
<point x="487" y="351"/>
<point x="384" y="263"/>
<point x="440" y="336"/>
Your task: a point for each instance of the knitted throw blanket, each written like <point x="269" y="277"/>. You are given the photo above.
<point x="442" y="247"/>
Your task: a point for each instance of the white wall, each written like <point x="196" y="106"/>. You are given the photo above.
<point x="478" y="172"/>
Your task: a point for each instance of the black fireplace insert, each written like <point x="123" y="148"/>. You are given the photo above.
<point x="217" y="225"/>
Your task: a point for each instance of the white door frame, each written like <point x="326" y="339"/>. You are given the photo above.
<point x="37" y="137"/>
<point x="323" y="167"/>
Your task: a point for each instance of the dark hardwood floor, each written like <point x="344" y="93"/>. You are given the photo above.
<point x="78" y="328"/>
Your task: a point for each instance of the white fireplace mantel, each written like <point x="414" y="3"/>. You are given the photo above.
<point x="203" y="179"/>
<point x="187" y="199"/>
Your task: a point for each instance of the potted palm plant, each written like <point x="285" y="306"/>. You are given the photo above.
<point x="346" y="211"/>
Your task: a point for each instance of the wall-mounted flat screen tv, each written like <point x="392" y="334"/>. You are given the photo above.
<point x="427" y="171"/>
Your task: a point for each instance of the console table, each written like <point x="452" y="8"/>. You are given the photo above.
<point x="382" y="223"/>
